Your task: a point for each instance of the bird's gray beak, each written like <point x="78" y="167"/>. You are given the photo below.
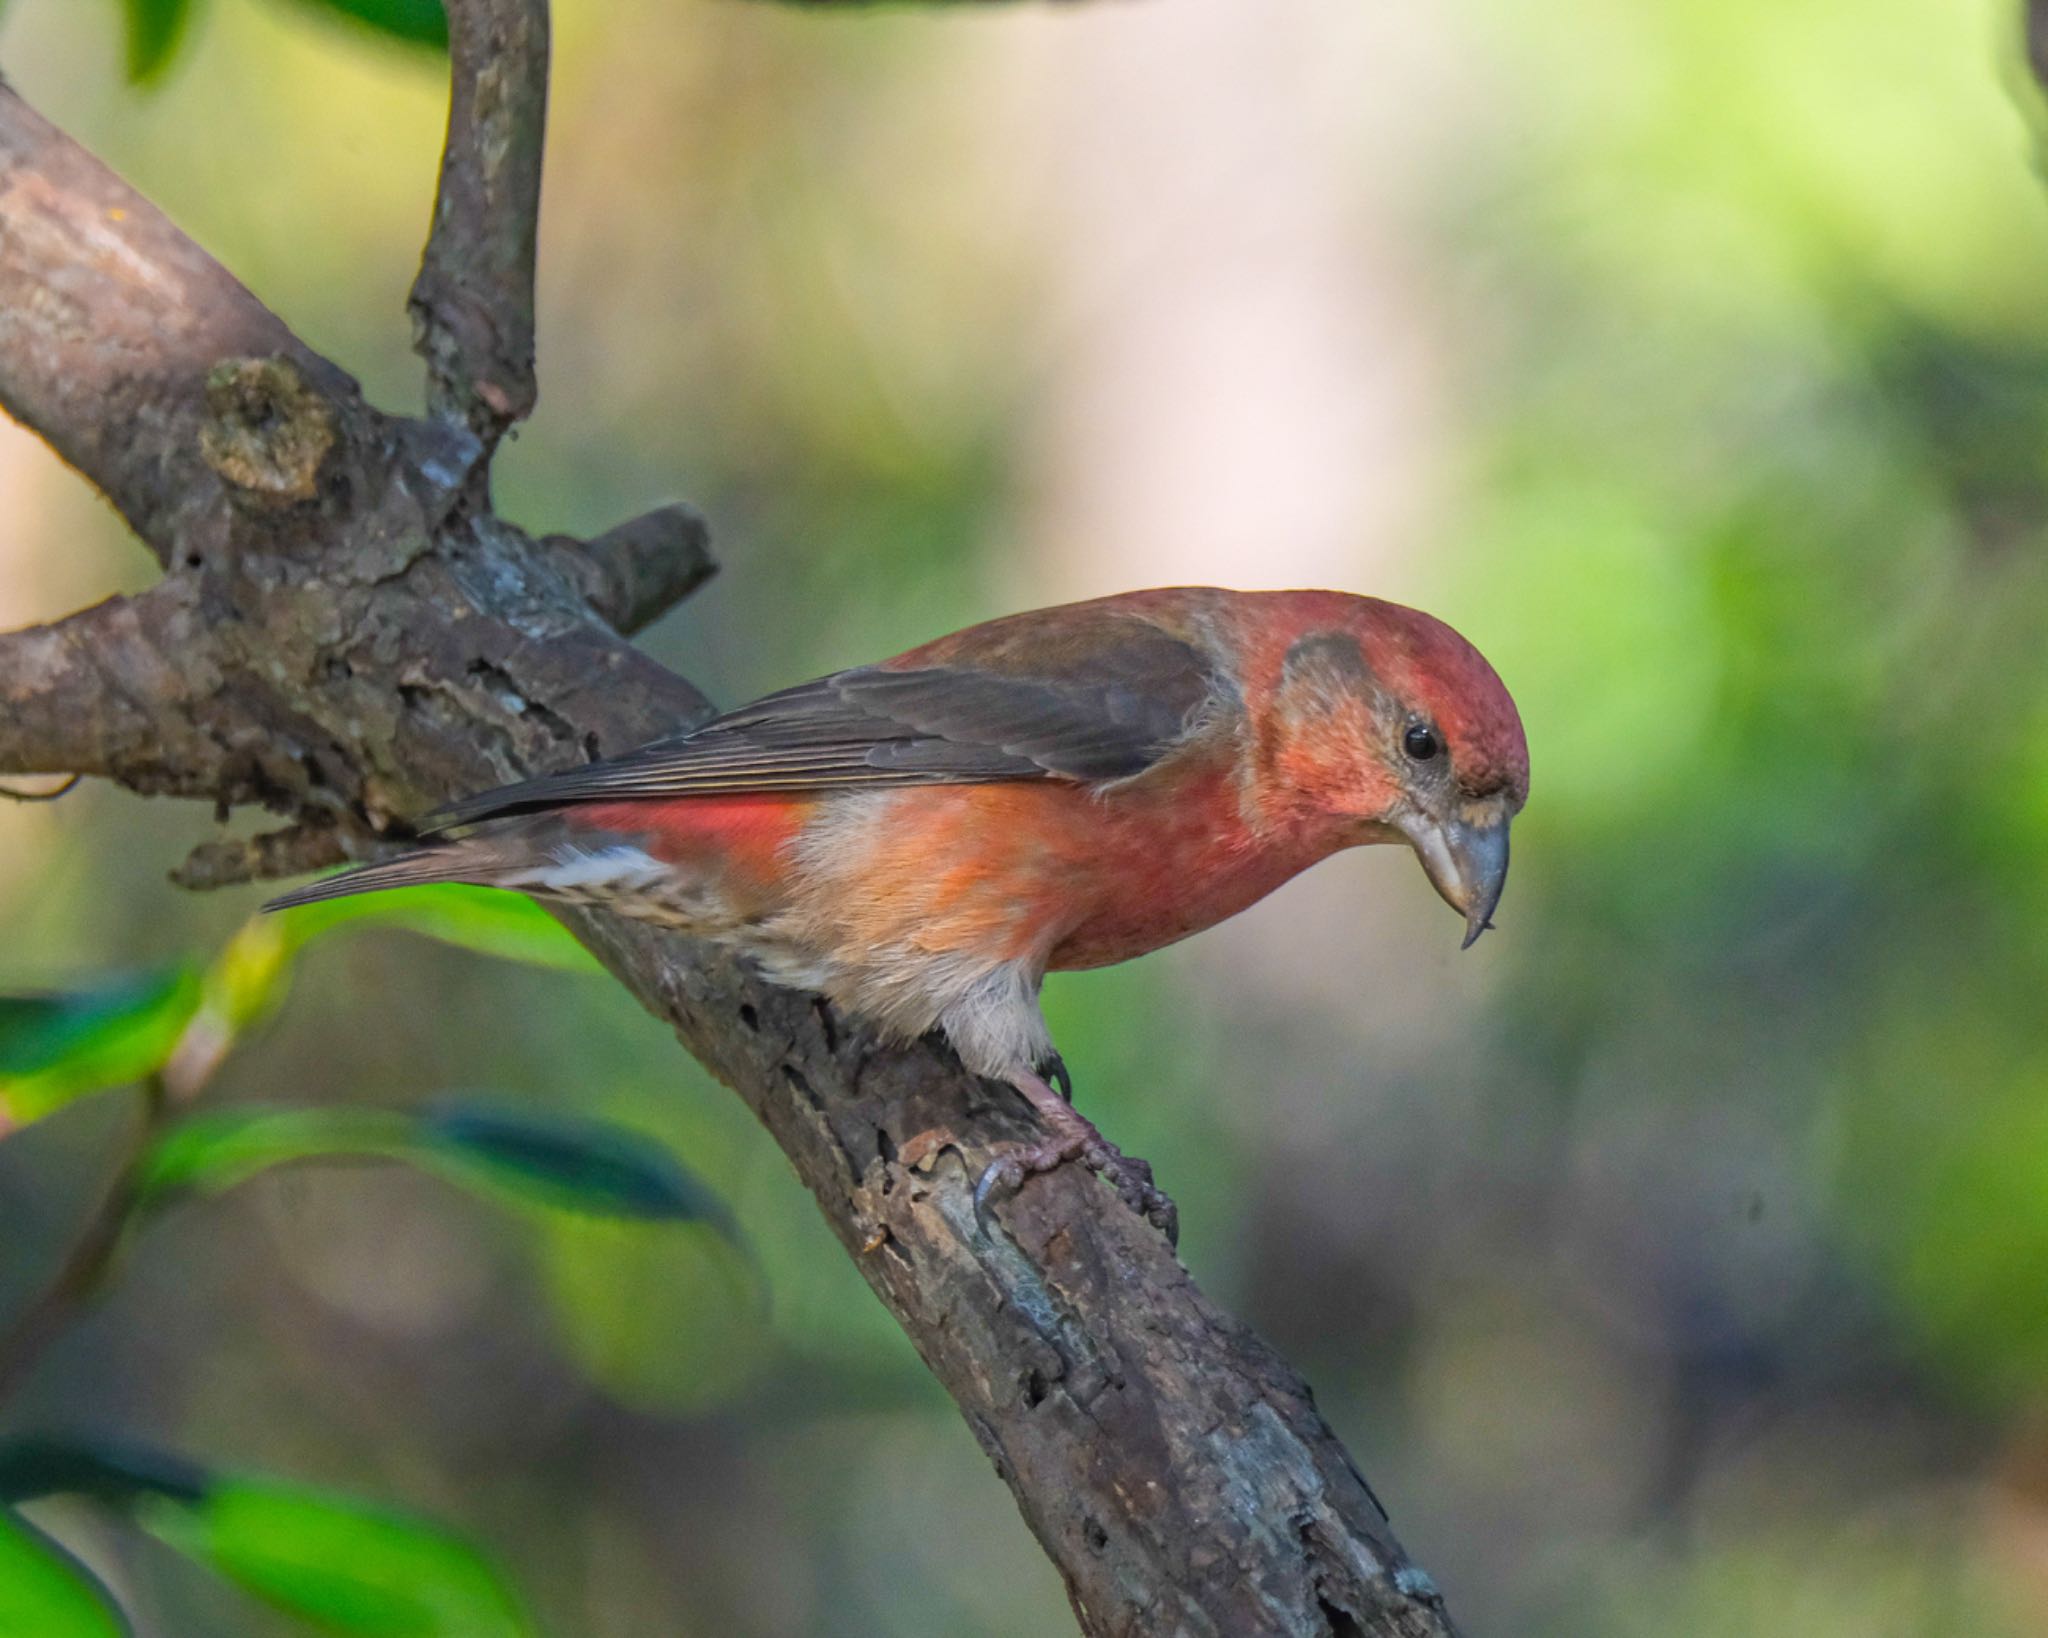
<point x="1467" y="864"/>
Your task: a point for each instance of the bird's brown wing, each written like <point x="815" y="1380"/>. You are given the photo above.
<point x="1092" y="696"/>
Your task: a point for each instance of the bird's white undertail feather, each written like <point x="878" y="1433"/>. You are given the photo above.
<point x="547" y="866"/>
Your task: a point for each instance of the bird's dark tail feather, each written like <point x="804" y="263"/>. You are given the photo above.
<point x="432" y="863"/>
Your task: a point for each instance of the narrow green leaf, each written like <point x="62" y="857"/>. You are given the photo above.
<point x="418" y="22"/>
<point x="154" y="29"/>
<point x="249" y="979"/>
<point x="45" y="1592"/>
<point x="570" y="1163"/>
<point x="105" y="1469"/>
<point x="563" y="1162"/>
<point x="57" y="1047"/>
<point x="208" y="1154"/>
<point x="42" y="1032"/>
<point x="486" y="919"/>
<point x="355" y="1569"/>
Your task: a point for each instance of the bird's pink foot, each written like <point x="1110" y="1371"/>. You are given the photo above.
<point x="1074" y="1137"/>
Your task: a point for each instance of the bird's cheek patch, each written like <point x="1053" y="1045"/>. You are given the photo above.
<point x="1324" y="754"/>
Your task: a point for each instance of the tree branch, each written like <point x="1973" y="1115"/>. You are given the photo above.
<point x="297" y="850"/>
<point x="632" y="575"/>
<point x="110" y="319"/>
<point x="99" y="693"/>
<point x="472" y="304"/>
<point x="369" y="639"/>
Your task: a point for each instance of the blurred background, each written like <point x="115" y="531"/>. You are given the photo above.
<point x="1676" y="1261"/>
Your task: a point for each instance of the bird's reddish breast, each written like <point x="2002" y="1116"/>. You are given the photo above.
<point x="1157" y="878"/>
<point x="1049" y="871"/>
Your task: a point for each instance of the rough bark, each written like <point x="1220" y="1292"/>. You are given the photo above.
<point x="472" y="304"/>
<point x="347" y="634"/>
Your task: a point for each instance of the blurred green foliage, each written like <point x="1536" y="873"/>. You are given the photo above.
<point x="45" y="1592"/>
<point x="156" y="27"/>
<point x="419" y="22"/>
<point x="566" y="1163"/>
<point x="352" y="1570"/>
<point x="1812" y="544"/>
<point x="349" y="1569"/>
<point x="55" y="1047"/>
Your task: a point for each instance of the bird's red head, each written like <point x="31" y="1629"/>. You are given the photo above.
<point x="1385" y="717"/>
<point x="1449" y="686"/>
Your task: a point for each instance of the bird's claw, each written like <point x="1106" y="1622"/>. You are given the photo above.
<point x="1130" y="1177"/>
<point x="999" y="1176"/>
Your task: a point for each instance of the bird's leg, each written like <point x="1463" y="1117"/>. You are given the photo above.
<point x="1073" y="1137"/>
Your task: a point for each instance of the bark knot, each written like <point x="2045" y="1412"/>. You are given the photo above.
<point x="268" y="432"/>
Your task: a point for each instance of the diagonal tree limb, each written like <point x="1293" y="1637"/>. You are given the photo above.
<point x="110" y="319"/>
<point x="356" y="637"/>
<point x="472" y="304"/>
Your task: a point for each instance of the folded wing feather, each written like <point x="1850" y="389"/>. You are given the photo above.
<point x="1102" y="702"/>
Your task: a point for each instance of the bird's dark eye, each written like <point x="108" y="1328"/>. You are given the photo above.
<point x="1421" y="743"/>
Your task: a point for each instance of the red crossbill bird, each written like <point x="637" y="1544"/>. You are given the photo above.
<point x="922" y="840"/>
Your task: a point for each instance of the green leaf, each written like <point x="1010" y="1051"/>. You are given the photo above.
<point x="656" y="1294"/>
<point x="208" y="1154"/>
<point x="418" y="22"/>
<point x="570" y="1163"/>
<point x="249" y="979"/>
<point x="154" y="29"/>
<point x="57" y="1047"/>
<point x="352" y="1568"/>
<point x="563" y="1162"/>
<point x="104" y="1469"/>
<point x="486" y="919"/>
<point x="45" y="1592"/>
